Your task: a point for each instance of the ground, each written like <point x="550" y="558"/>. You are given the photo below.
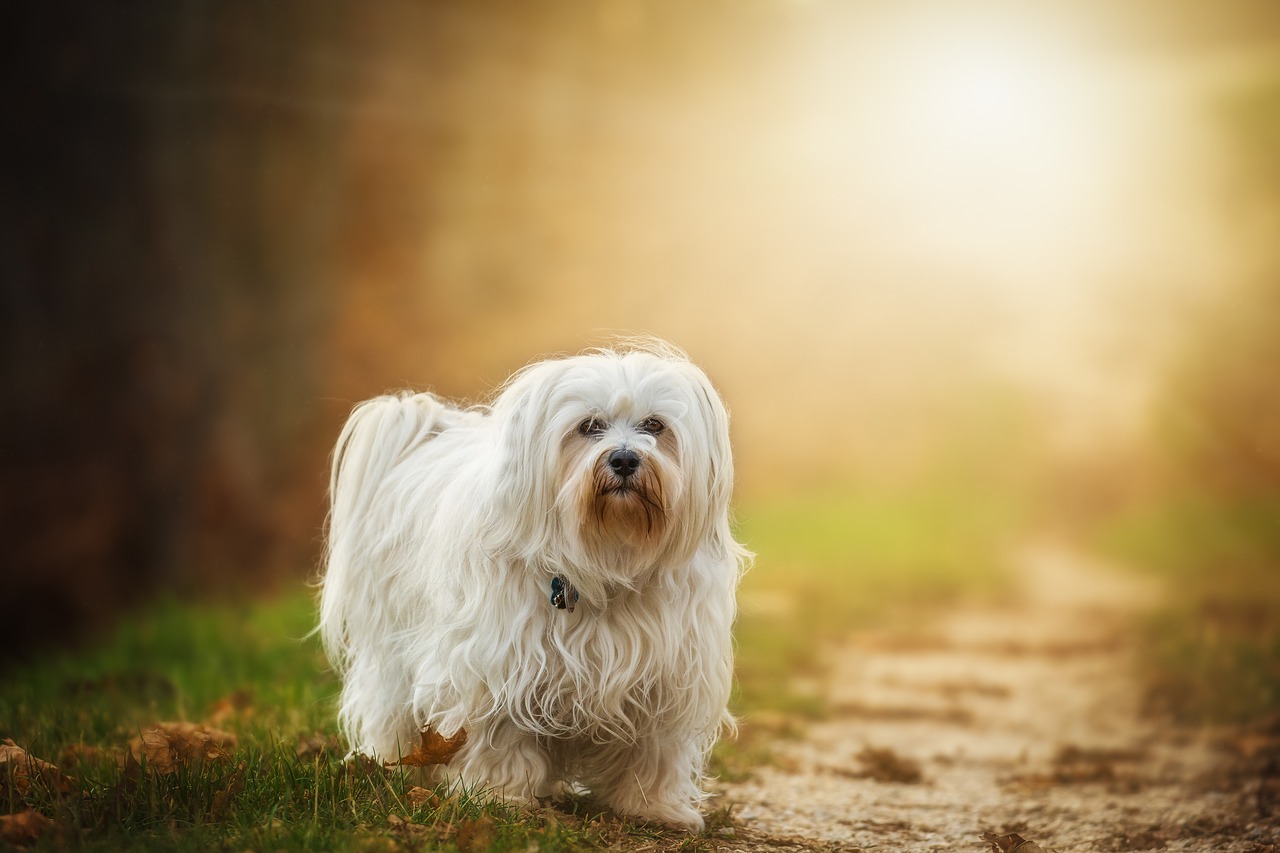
<point x="1021" y="718"/>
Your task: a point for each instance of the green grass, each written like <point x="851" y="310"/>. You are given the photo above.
<point x="175" y="662"/>
<point x="1213" y="646"/>
<point x="827" y="566"/>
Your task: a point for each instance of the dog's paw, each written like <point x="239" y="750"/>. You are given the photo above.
<point x="675" y="815"/>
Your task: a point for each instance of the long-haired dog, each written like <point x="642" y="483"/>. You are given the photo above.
<point x="553" y="573"/>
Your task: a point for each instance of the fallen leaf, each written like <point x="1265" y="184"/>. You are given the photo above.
<point x="153" y="747"/>
<point x="404" y="827"/>
<point x="168" y="746"/>
<point x="433" y="748"/>
<point x="1012" y="843"/>
<point x="132" y="772"/>
<point x="418" y="797"/>
<point x="26" y="768"/>
<point x="24" y="827"/>
<point x="478" y="834"/>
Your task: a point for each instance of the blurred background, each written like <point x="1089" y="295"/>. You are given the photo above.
<point x="966" y="249"/>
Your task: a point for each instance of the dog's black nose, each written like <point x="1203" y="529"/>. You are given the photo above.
<point x="624" y="462"/>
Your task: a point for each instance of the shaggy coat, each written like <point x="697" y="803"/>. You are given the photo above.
<point x="610" y="471"/>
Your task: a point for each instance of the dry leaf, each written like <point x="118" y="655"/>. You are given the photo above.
<point x="24" y="827"/>
<point x="404" y="827"/>
<point x="478" y="834"/>
<point x="418" y="797"/>
<point x="168" y="746"/>
<point x="1012" y="843"/>
<point x="433" y="748"/>
<point x="26" y="768"/>
<point x="132" y="772"/>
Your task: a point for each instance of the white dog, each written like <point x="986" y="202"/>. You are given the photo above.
<point x="553" y="574"/>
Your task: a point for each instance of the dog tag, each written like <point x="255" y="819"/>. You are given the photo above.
<point x="563" y="595"/>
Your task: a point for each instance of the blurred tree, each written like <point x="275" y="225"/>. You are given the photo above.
<point x="168" y="197"/>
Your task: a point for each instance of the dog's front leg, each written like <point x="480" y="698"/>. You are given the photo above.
<point x="510" y="763"/>
<point x="656" y="779"/>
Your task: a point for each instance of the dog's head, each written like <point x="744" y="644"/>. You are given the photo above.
<point x="615" y="462"/>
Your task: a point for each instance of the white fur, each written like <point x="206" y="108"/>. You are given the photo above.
<point x="446" y="528"/>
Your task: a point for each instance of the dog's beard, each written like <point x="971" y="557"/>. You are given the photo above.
<point x="632" y="510"/>
<point x="621" y="523"/>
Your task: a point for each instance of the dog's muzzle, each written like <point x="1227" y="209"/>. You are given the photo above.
<point x="623" y="463"/>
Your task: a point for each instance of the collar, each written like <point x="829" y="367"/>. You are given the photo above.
<point x="564" y="596"/>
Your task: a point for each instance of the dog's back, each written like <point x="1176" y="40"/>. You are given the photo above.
<point x="379" y="433"/>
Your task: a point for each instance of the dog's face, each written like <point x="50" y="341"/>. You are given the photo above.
<point x="619" y="459"/>
<point x="621" y="468"/>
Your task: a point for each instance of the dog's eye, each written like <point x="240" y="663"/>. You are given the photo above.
<point x="591" y="427"/>
<point x="653" y="426"/>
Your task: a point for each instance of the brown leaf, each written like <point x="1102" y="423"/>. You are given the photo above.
<point x="132" y="772"/>
<point x="153" y="747"/>
<point x="433" y="748"/>
<point x="1011" y="843"/>
<point x="478" y="834"/>
<point x="24" y="827"/>
<point x="404" y="827"/>
<point x="168" y="746"/>
<point x="418" y="797"/>
<point x="27" y="768"/>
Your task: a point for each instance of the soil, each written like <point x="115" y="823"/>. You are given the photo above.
<point x="1025" y="718"/>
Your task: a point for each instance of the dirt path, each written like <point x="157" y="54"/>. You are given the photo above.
<point x="1024" y="719"/>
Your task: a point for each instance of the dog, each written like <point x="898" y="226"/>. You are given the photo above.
<point x="553" y="575"/>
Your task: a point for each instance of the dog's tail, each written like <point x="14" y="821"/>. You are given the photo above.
<point x="376" y="437"/>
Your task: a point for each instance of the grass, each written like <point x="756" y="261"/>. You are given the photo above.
<point x="252" y="671"/>
<point x="1213" y="646"/>
<point x="826" y="566"/>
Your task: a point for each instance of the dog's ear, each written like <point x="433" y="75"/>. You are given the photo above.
<point x="520" y="520"/>
<point x="710" y="461"/>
